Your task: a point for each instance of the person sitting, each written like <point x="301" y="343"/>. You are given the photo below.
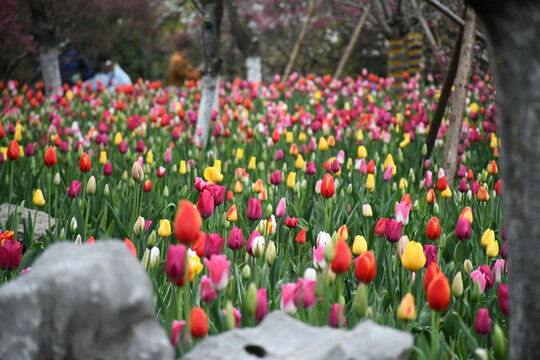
<point x="110" y="74"/>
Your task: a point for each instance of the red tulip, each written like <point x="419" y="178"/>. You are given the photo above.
<point x="433" y="229"/>
<point x="206" y="203"/>
<point x="301" y="237"/>
<point x="365" y="267"/>
<point x="198" y="322"/>
<point x="380" y="227"/>
<point x="342" y="257"/>
<point x="291" y="222"/>
<point x="431" y="272"/>
<point x="50" y="157"/>
<point x="10" y="251"/>
<point x="147" y="186"/>
<point x="441" y="184"/>
<point x="175" y="264"/>
<point x="438" y="292"/>
<point x="13" y="150"/>
<point x="328" y="188"/>
<point x="187" y="223"/>
<point x="85" y="164"/>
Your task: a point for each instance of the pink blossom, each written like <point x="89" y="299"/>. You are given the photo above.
<point x="218" y="267"/>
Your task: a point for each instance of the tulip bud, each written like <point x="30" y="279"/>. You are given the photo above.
<point x="20" y="208"/>
<point x="152" y="240"/>
<point x="329" y="251"/>
<point x="369" y="310"/>
<point x="138" y="227"/>
<point x="106" y="190"/>
<point x="412" y="176"/>
<point x="467" y="266"/>
<point x="146" y="259"/>
<point x="457" y="285"/>
<point x="137" y="173"/>
<point x="269" y="211"/>
<point x="481" y="354"/>
<point x="271" y="253"/>
<point x="91" y="186"/>
<point x="257" y="246"/>
<point x="73" y="225"/>
<point x="442" y="241"/>
<point x="360" y="300"/>
<point x="500" y="344"/>
<point x="251" y="299"/>
<point x="476" y="291"/>
<point x="62" y="234"/>
<point x="229" y="316"/>
<point x="154" y="257"/>
<point x="131" y="183"/>
<point x="80" y="151"/>
<point x="424" y="150"/>
<point x="246" y="272"/>
<point x="78" y="240"/>
<point x="56" y="180"/>
<point x="436" y="208"/>
<point x="166" y="192"/>
<point x="311" y="274"/>
<point x="349" y="189"/>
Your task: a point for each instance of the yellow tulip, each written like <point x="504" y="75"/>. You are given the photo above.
<point x="389" y="161"/>
<point x="492" y="249"/>
<point x="302" y="136"/>
<point x="370" y="182"/>
<point x="488" y="237"/>
<point x="149" y="157"/>
<point x="195" y="267"/>
<point x="362" y="152"/>
<point x="183" y="168"/>
<point x="3" y="150"/>
<point x="323" y="145"/>
<point x="299" y="162"/>
<point x="118" y="138"/>
<point x="359" y="135"/>
<point x="403" y="183"/>
<point x="289" y="137"/>
<point x="413" y="257"/>
<point x="494" y="142"/>
<point x="103" y="158"/>
<point x="217" y="164"/>
<point x="232" y="214"/>
<point x="291" y="179"/>
<point x="239" y="154"/>
<point x="474" y="107"/>
<point x="258" y="186"/>
<point x="407" y="310"/>
<point x="349" y="164"/>
<point x="252" y="163"/>
<point x="38" y="199"/>
<point x="359" y="245"/>
<point x="406" y="140"/>
<point x="446" y="193"/>
<point x="213" y="174"/>
<point x="21" y="150"/>
<point x="164" y="228"/>
<point x="238" y="187"/>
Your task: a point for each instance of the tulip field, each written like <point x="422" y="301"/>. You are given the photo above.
<point x="312" y="197"/>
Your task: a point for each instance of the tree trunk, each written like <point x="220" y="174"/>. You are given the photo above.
<point x="414" y="53"/>
<point x="443" y="99"/>
<point x="459" y="98"/>
<point x="396" y="64"/>
<point x="253" y="67"/>
<point x="513" y="29"/>
<point x="212" y="14"/>
<point x="352" y="43"/>
<point x="50" y="68"/>
<point x="245" y="42"/>
<point x="300" y="41"/>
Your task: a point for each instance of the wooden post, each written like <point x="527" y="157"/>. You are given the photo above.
<point x="300" y="41"/>
<point x="459" y="98"/>
<point x="352" y="43"/>
<point x="396" y="64"/>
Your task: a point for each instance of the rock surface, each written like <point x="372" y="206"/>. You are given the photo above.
<point x="82" y="302"/>
<point x="42" y="221"/>
<point x="280" y="336"/>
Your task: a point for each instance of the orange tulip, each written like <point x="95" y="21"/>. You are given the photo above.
<point x="198" y="322"/>
<point x="365" y="267"/>
<point x="13" y="150"/>
<point x="187" y="223"/>
<point x="431" y="272"/>
<point x="433" y="228"/>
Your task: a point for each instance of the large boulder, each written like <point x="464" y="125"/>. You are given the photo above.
<point x="82" y="302"/>
<point x="280" y="336"/>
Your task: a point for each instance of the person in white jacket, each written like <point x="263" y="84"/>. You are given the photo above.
<point x="110" y="74"/>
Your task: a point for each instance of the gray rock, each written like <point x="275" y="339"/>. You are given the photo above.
<point x="280" y="336"/>
<point x="82" y="302"/>
<point x="42" y="221"/>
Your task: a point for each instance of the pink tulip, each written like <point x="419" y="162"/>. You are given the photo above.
<point x="213" y="245"/>
<point x="208" y="294"/>
<point x="291" y="222"/>
<point x="176" y="330"/>
<point x="262" y="304"/>
<point x="10" y="254"/>
<point x="281" y="208"/>
<point x="236" y="239"/>
<point x="206" y="204"/>
<point x="305" y="289"/>
<point x="463" y="229"/>
<point x="393" y="230"/>
<point x="503" y="299"/>
<point x="335" y="315"/>
<point x="237" y="316"/>
<point x="478" y="277"/>
<point x="402" y="212"/>
<point x="167" y="157"/>
<point x="218" y="192"/>
<point x="175" y="264"/>
<point x="363" y="166"/>
<point x="482" y="325"/>
<point x="254" y="209"/>
<point x="74" y="189"/>
<point x="287" y="298"/>
<point x="318" y="257"/>
<point x="388" y="173"/>
<point x="428" y="182"/>
<point x="310" y="168"/>
<point x="218" y="267"/>
<point x="275" y="178"/>
<point x="490" y="280"/>
<point x="463" y="186"/>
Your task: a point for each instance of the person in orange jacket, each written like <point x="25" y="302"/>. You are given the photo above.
<point x="180" y="69"/>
